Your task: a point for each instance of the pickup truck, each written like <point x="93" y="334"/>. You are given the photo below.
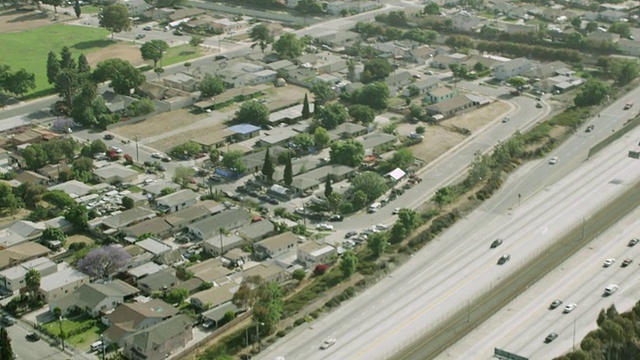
<point x="516" y="92"/>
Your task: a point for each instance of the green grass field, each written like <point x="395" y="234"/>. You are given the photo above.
<point x="179" y="54"/>
<point x="29" y="49"/>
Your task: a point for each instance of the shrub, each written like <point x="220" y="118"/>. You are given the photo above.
<point x="320" y="269"/>
<point x="299" y="322"/>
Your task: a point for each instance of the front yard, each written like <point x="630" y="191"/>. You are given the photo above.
<point x="80" y="331"/>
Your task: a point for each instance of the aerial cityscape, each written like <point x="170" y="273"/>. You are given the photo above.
<point x="319" y="179"/>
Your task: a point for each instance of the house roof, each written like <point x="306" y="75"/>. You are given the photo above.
<point x="263" y="270"/>
<point x="145" y="270"/>
<point x="316" y="249"/>
<point x="159" y="334"/>
<point x="156" y="187"/>
<point x="31" y="177"/>
<point x="449" y="104"/>
<point x="321" y="173"/>
<point x="218" y="313"/>
<point x="130" y="315"/>
<point x="397" y="174"/>
<point x="21" y="270"/>
<point x="170" y="257"/>
<point x="216" y="295"/>
<point x="26" y="228"/>
<point x="18" y="253"/>
<point x="91" y="295"/>
<point x="159" y="280"/>
<point x="116" y="170"/>
<point x="430" y="81"/>
<point x="377" y="139"/>
<point x="348" y="128"/>
<point x="61" y="278"/>
<point x="210" y="270"/>
<point x="177" y="198"/>
<point x="153" y="246"/>
<point x="74" y="188"/>
<point x="441" y="91"/>
<point x="278" y="241"/>
<point x="304" y="183"/>
<point x="122" y="219"/>
<point x="256" y="230"/>
<point x="157" y="225"/>
<point x="243" y="129"/>
<point x="227" y="219"/>
<point x="187" y="215"/>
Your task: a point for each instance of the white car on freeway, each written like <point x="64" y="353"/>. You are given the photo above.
<point x="328" y="343"/>
<point x="553" y="160"/>
<point x="569" y="308"/>
<point x="609" y="262"/>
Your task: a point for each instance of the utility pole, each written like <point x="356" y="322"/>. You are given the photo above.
<point x="137" y="152"/>
<point x="104" y="346"/>
<point x="61" y="333"/>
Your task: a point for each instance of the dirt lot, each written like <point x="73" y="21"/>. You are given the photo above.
<point x="167" y="143"/>
<point x="160" y="124"/>
<point x="439" y="138"/>
<point x="78" y="239"/>
<point x="16" y="21"/>
<point x="121" y="51"/>
<point x="9" y="219"/>
<point x="287" y="95"/>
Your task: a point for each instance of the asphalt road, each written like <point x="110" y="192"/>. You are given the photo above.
<point x="455" y="268"/>
<point x="32" y="350"/>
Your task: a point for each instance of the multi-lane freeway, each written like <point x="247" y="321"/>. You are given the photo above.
<point x="445" y="275"/>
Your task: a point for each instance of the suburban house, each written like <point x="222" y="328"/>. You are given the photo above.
<point x="240" y="132"/>
<point x="160" y="281"/>
<point x="177" y="201"/>
<point x="348" y="130"/>
<point x="154" y="246"/>
<point x="423" y="86"/>
<point x="276" y="245"/>
<point x="268" y="271"/>
<point x="452" y="106"/>
<point x="219" y="313"/>
<point x="19" y="254"/>
<point x="399" y="79"/>
<point x="95" y="298"/>
<point x="312" y="253"/>
<point x="136" y="8"/>
<point x="629" y="47"/>
<point x="227" y="220"/>
<point x="61" y="283"/>
<point x="115" y="173"/>
<point x="20" y="232"/>
<point x="30" y="177"/>
<point x="440" y="93"/>
<point x="121" y="219"/>
<point x="155" y="342"/>
<point x="211" y="271"/>
<point x="378" y="143"/>
<point x="288" y="115"/>
<point x="512" y="68"/>
<point x="256" y="231"/>
<point x="128" y="318"/>
<point x="218" y="245"/>
<point x="420" y="54"/>
<point x="237" y="257"/>
<point x="214" y="297"/>
<point x="73" y="188"/>
<point x="157" y="226"/>
<point x="155" y="188"/>
<point x="181" y="81"/>
<point x="12" y="278"/>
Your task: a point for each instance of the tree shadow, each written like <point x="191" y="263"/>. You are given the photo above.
<point x="29" y="17"/>
<point x="184" y="53"/>
<point x="100" y="43"/>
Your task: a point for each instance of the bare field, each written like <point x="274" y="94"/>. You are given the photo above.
<point x="280" y="97"/>
<point x="12" y="21"/>
<point x="165" y="144"/>
<point x="159" y="124"/>
<point x="9" y="219"/>
<point x="120" y="51"/>
<point x="476" y="119"/>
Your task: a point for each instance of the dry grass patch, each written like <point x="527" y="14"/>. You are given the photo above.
<point x="165" y="144"/>
<point x="477" y="119"/>
<point x="159" y="124"/>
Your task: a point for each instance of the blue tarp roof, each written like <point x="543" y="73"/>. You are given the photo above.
<point x="243" y="128"/>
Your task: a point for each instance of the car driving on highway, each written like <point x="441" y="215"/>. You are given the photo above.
<point x="633" y="241"/>
<point x="555" y="304"/>
<point x="503" y="259"/>
<point x="610" y="289"/>
<point x="552" y="336"/>
<point x="626" y="262"/>
<point x="328" y="343"/>
<point x="569" y="308"/>
<point x="496" y="243"/>
<point x="628" y="106"/>
<point x="589" y="128"/>
<point x="609" y="262"/>
<point x="553" y="160"/>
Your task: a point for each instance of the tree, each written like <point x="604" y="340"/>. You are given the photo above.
<point x="288" y="46"/>
<point x="398" y="232"/>
<point x="408" y="218"/>
<point x="621" y="28"/>
<point x="321" y="137"/>
<point x="402" y="158"/>
<point x="51" y="233"/>
<point x="459" y="42"/>
<point x="268" y="168"/>
<point x="77" y="9"/>
<point x="459" y="71"/>
<point x="122" y="74"/>
<point x="19" y="82"/>
<point x="322" y="93"/>
<point x="54" y="3"/>
<point x="269" y="305"/>
<point x="232" y="160"/>
<point x="82" y="168"/>
<point x="431" y="9"/>
<point x="371" y="184"/>
<point x="517" y="81"/>
<point x="309" y="7"/>
<point x="375" y="95"/>
<point x="623" y="70"/>
<point x="128" y="203"/>
<point x="67" y="84"/>
<point x="77" y="215"/>
<point x="101" y="262"/>
<point x="377" y="243"/>
<point x="443" y="196"/>
<point x="333" y="201"/>
<point x="247" y="294"/>
<point x="83" y="64"/>
<point x="53" y="67"/>
<point x="288" y="171"/>
<point x="115" y="18"/>
<point x="298" y="275"/>
<point x="140" y="107"/>
<point x="252" y="112"/>
<point x="348" y="264"/>
<point x="159" y="71"/>
<point x="306" y="113"/>
<point x="591" y="27"/>
<point x="35" y="157"/>
<point x="349" y="152"/>
<point x="331" y="115"/>
<point x="327" y="187"/>
<point x="8" y="200"/>
<point x="196" y="41"/>
<point x="375" y="70"/>
<point x="6" y="352"/>
<point x="176" y="296"/>
<point x="362" y="114"/>
<point x="182" y="175"/>
<point x="211" y="85"/>
<point x="576" y="22"/>
<point x="593" y="92"/>
<point x="261" y="36"/>
<point x="154" y="50"/>
<point x="32" y="282"/>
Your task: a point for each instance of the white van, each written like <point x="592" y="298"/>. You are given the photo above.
<point x="374" y="207"/>
<point x="610" y="289"/>
<point x="96" y="345"/>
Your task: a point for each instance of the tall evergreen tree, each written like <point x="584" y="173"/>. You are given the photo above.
<point x="306" y="113"/>
<point x="288" y="171"/>
<point x="66" y="59"/>
<point x="53" y="67"/>
<point x="83" y="64"/>
<point x="77" y="8"/>
<point x="6" y="352"/>
<point x="267" y="167"/>
<point x="327" y="187"/>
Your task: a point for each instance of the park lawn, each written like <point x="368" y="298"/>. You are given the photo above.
<point x="29" y="49"/>
<point x="90" y="9"/>
<point x="179" y="54"/>
<point x="81" y="340"/>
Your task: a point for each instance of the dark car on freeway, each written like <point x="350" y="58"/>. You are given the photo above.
<point x="555" y="304"/>
<point x="503" y="259"/>
<point x="496" y="243"/>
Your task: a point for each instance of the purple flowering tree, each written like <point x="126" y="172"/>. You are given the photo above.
<point x="103" y="261"/>
<point x="62" y="124"/>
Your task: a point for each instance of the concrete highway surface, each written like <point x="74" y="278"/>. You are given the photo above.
<point x="522" y="326"/>
<point x="457" y="266"/>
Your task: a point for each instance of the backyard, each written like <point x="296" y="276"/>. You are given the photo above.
<point x="81" y="331"/>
